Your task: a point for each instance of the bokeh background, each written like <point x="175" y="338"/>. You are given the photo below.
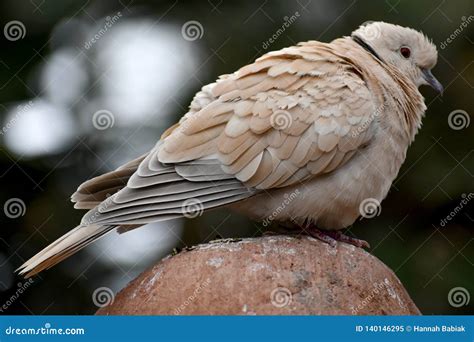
<point x="88" y="85"/>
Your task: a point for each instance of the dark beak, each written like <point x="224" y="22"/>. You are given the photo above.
<point x="432" y="81"/>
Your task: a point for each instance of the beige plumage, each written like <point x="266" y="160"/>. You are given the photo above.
<point x="328" y="121"/>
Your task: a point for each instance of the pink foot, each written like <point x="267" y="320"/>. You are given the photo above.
<point x="337" y="235"/>
<point x="332" y="236"/>
<point x="321" y="235"/>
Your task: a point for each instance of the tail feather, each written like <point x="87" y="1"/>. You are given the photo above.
<point x="65" y="246"/>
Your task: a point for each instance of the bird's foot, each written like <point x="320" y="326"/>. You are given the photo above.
<point x="332" y="236"/>
<point x="339" y="236"/>
<point x="321" y="235"/>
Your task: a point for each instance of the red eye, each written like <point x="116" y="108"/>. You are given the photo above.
<point x="405" y="52"/>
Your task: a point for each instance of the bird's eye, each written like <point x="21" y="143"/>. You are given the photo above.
<point x="405" y="51"/>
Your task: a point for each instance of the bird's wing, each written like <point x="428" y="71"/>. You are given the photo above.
<point x="155" y="191"/>
<point x="293" y="114"/>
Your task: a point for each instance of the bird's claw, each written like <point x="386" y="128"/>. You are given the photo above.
<point x="331" y="237"/>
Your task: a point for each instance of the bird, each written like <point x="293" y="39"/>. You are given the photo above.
<point x="300" y="137"/>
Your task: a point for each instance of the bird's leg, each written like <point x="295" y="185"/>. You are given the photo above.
<point x="332" y="236"/>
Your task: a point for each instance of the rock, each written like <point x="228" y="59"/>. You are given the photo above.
<point x="271" y="275"/>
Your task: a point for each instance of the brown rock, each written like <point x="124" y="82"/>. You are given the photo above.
<point x="270" y="275"/>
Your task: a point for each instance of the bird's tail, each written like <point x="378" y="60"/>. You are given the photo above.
<point x="62" y="248"/>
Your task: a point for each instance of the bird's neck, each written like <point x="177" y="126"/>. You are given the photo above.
<point x="390" y="87"/>
<point x="407" y="99"/>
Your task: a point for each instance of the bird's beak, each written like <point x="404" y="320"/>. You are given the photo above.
<point x="432" y="81"/>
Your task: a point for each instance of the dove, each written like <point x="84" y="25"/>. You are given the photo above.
<point x="300" y="137"/>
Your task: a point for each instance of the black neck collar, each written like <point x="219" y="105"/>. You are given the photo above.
<point x="366" y="46"/>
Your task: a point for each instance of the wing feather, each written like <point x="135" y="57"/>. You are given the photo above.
<point x="296" y="113"/>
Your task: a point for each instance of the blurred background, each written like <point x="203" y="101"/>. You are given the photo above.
<point x="88" y="85"/>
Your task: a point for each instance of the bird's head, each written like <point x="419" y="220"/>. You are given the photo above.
<point x="408" y="50"/>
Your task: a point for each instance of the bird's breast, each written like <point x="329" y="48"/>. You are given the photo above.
<point x="333" y="201"/>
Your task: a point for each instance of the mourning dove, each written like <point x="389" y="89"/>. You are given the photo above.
<point x="302" y="137"/>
